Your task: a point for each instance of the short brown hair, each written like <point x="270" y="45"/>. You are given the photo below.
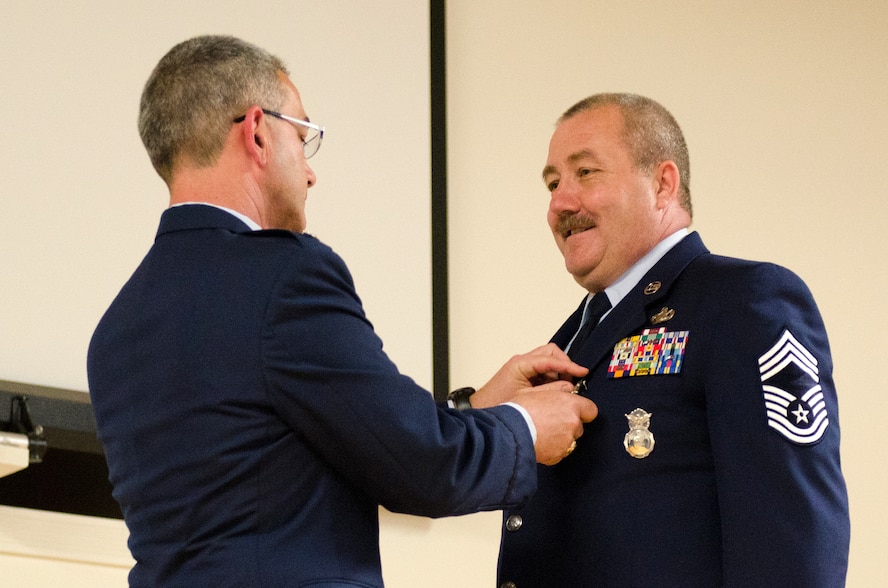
<point x="195" y="92"/>
<point x="650" y="131"/>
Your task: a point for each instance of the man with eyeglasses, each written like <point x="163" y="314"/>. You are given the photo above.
<point x="251" y="421"/>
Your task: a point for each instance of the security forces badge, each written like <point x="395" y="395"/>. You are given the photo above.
<point x="794" y="400"/>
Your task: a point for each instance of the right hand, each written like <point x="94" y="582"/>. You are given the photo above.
<point x="543" y="364"/>
<point x="558" y="416"/>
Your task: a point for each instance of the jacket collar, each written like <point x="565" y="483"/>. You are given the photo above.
<point x="199" y="216"/>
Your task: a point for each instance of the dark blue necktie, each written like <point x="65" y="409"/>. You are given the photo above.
<point x="596" y="308"/>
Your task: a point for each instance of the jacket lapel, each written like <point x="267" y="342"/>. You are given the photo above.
<point x="563" y="336"/>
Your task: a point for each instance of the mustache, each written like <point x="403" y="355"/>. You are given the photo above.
<point x="570" y="223"/>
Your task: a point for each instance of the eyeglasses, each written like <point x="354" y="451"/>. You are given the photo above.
<point x="312" y="141"/>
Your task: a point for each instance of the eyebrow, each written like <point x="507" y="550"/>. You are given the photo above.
<point x="572" y="158"/>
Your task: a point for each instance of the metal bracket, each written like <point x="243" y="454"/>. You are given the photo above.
<point x="20" y="422"/>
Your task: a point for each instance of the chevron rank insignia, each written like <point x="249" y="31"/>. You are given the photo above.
<point x="794" y="400"/>
<point x="652" y="353"/>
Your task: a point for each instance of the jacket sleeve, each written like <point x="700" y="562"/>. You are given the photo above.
<point x="330" y="380"/>
<point x="773" y="414"/>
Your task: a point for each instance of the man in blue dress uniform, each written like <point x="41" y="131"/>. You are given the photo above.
<point x="251" y="420"/>
<point x="714" y="460"/>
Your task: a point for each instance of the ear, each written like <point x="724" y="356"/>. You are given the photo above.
<point x="667" y="181"/>
<point x="254" y="135"/>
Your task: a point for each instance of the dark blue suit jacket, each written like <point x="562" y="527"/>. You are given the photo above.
<point x="743" y="487"/>
<point x="252" y="422"/>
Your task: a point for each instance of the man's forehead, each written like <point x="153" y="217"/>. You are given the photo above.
<point x="606" y="120"/>
<point x="294" y="99"/>
<point x="586" y="136"/>
<point x="574" y="157"/>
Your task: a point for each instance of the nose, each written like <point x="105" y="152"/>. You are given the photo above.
<point x="563" y="199"/>
<point x="310" y="175"/>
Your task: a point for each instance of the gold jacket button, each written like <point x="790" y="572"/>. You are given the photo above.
<point x="513" y="523"/>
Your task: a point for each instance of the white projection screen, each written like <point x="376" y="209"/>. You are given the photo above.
<point x="80" y="201"/>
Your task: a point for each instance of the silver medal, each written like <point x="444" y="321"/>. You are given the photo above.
<point x="639" y="441"/>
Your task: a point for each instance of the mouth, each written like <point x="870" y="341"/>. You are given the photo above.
<point x="568" y="227"/>
<point x="573" y="232"/>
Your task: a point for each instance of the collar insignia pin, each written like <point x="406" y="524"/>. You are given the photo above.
<point x="664" y="315"/>
<point x="652" y="288"/>
<point x="639" y="441"/>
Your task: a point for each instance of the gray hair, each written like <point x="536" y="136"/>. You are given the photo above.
<point x="196" y="91"/>
<point x="651" y="134"/>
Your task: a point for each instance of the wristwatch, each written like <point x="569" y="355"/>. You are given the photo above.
<point x="460" y="398"/>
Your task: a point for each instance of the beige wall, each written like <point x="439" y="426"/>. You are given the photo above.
<point x="784" y="108"/>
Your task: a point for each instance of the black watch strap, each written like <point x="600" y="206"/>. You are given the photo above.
<point x="460" y="398"/>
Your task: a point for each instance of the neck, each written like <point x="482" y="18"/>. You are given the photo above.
<point x="211" y="186"/>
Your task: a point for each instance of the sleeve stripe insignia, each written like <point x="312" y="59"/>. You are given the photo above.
<point x="653" y="352"/>
<point x="785" y="350"/>
<point x="794" y="402"/>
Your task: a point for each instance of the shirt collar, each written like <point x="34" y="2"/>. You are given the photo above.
<point x="242" y="217"/>
<point x="624" y="284"/>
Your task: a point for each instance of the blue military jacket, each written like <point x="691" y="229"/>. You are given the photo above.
<point x="253" y="424"/>
<point x="743" y="486"/>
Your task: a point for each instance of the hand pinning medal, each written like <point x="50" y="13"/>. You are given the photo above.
<point x="580" y="386"/>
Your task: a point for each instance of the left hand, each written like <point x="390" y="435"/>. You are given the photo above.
<point x="543" y="364"/>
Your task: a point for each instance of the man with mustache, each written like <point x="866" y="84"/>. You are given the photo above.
<point x="714" y="460"/>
